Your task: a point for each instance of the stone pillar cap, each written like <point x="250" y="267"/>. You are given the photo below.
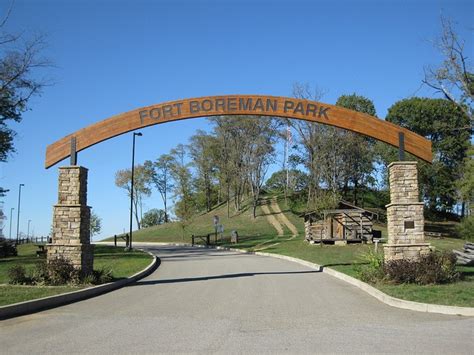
<point x="404" y="204"/>
<point x="73" y="167"/>
<point x="402" y="163"/>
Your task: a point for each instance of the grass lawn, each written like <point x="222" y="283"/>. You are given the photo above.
<point x="121" y="263"/>
<point x="10" y="294"/>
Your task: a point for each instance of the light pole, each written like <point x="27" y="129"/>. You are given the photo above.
<point x="11" y="217"/>
<point x="131" y="189"/>
<point x="18" y="216"/>
<point x="28" y="233"/>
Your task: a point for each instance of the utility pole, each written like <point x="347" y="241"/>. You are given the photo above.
<point x="131" y="189"/>
<point x="11" y="218"/>
<point x="18" y="216"/>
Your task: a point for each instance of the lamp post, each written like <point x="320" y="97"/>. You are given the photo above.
<point x="28" y="233"/>
<point x="131" y="189"/>
<point x="18" y="216"/>
<point x="11" y="217"/>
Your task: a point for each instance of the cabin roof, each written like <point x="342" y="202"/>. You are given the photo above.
<point x="342" y="207"/>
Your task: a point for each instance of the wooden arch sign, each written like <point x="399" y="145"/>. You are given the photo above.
<point x="239" y="105"/>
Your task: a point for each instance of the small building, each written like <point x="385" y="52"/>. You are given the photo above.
<point x="346" y="223"/>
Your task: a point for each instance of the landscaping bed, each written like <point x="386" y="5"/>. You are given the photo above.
<point x="121" y="264"/>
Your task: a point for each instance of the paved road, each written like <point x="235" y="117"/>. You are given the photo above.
<point x="208" y="301"/>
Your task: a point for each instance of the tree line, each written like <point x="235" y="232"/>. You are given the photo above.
<point x="324" y="164"/>
<point x="229" y="164"/>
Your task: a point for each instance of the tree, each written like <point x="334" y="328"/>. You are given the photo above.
<point x="335" y="159"/>
<point x="454" y="78"/>
<point x="298" y="180"/>
<point x="203" y="149"/>
<point x="185" y="206"/>
<point x="231" y="141"/>
<point x="245" y="148"/>
<point x="227" y="159"/>
<point x="3" y="192"/>
<point x="160" y="171"/>
<point x="466" y="191"/>
<point x="357" y="151"/>
<point x="141" y="187"/>
<point x="259" y="154"/>
<point x="466" y="183"/>
<point x="95" y="224"/>
<point x="153" y="217"/>
<point x="311" y="137"/>
<point x="435" y="119"/>
<point x="20" y="62"/>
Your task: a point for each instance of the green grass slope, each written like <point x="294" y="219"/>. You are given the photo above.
<point x="257" y="229"/>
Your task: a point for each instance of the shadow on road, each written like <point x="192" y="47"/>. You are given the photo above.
<point x="217" y="277"/>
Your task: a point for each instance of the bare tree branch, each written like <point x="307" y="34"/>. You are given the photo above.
<point x="454" y="77"/>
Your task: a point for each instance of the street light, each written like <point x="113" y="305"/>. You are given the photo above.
<point x="28" y="233"/>
<point x="11" y="217"/>
<point x="131" y="190"/>
<point x="18" y="216"/>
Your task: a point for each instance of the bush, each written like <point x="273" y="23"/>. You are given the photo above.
<point x="372" y="268"/>
<point x="98" y="277"/>
<point x="40" y="273"/>
<point x="7" y="248"/>
<point x="434" y="268"/>
<point x="466" y="228"/>
<point x="17" y="275"/>
<point x="401" y="271"/>
<point x="61" y="271"/>
<point x="57" y="272"/>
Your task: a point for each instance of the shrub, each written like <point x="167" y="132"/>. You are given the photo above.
<point x="104" y="276"/>
<point x="40" y="273"/>
<point x="434" y="268"/>
<point x="372" y="268"/>
<point x="401" y="271"/>
<point x="466" y="228"/>
<point x="7" y="248"/>
<point x="17" y="275"/>
<point x="98" y="277"/>
<point x="61" y="271"/>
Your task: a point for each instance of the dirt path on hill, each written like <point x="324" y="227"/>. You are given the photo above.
<point x="277" y="219"/>
<point x="282" y="218"/>
<point x="272" y="220"/>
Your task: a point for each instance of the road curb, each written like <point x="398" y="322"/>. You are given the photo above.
<point x="381" y="296"/>
<point x="372" y="291"/>
<point x="40" y="304"/>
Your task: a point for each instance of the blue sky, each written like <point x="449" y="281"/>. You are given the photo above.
<point x="115" y="56"/>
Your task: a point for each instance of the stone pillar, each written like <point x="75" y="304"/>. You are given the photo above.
<point x="71" y="220"/>
<point x="405" y="221"/>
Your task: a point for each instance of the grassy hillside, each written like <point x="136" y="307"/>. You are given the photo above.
<point x="258" y="229"/>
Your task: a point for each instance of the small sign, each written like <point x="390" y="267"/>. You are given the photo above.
<point x="409" y="224"/>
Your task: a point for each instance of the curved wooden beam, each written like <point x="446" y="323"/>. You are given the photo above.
<point x="238" y="105"/>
